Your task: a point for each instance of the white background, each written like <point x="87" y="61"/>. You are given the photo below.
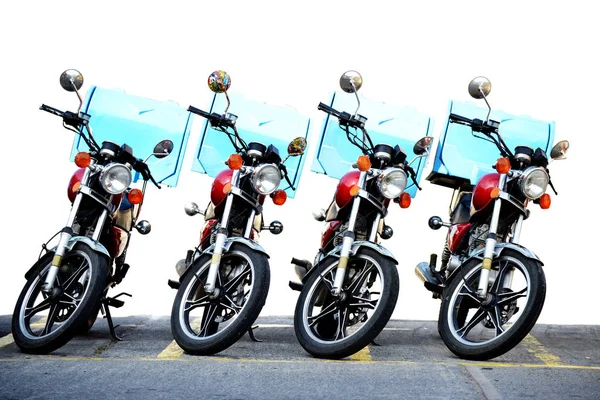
<point x="542" y="59"/>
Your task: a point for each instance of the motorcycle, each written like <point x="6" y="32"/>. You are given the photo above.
<point x="223" y="283"/>
<point x="68" y="285"/>
<point x="492" y="288"/>
<point x="349" y="294"/>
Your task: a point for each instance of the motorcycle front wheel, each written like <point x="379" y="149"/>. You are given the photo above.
<point x="481" y="329"/>
<point x="204" y="324"/>
<point x="42" y="323"/>
<point x="337" y="327"/>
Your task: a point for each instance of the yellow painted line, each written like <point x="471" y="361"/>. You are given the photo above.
<point x="305" y="360"/>
<point x="539" y="351"/>
<point x="8" y="339"/>
<point x="364" y="355"/>
<point x="5" y="340"/>
<point x="173" y="351"/>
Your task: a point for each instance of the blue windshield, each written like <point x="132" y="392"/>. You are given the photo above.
<point x="460" y="154"/>
<point x="387" y="124"/>
<point x="140" y="123"/>
<point x="257" y="122"/>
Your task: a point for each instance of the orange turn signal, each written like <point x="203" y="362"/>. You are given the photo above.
<point x="363" y="162"/>
<point x="503" y="165"/>
<point x="545" y="201"/>
<point x="135" y="196"/>
<point x="404" y="200"/>
<point x="279" y="197"/>
<point x="495" y="193"/>
<point x="235" y="161"/>
<point x="226" y="188"/>
<point x="354" y="190"/>
<point x="82" y="159"/>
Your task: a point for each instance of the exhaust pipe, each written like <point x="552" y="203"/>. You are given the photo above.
<point x="424" y="273"/>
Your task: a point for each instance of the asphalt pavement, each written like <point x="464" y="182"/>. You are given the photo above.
<point x="410" y="361"/>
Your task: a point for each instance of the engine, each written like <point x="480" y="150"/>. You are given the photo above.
<point x="477" y="237"/>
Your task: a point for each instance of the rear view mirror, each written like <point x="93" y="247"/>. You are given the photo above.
<point x="559" y="151"/>
<point x="71" y="80"/>
<point x="350" y="81"/>
<point x="296" y="147"/>
<point x="480" y="87"/>
<point x="422" y="145"/>
<point x="163" y="148"/>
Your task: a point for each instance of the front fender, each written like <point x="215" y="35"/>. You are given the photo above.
<point x="478" y="255"/>
<point x="96" y="246"/>
<point x="251" y="244"/>
<point x="357" y="245"/>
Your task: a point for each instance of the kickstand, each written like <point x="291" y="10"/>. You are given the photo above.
<point x="251" y="334"/>
<point x="111" y="326"/>
<point x="106" y="303"/>
<point x="374" y="343"/>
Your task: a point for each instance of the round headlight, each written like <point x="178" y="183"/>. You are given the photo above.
<point x="115" y="178"/>
<point x="266" y="178"/>
<point x="534" y="182"/>
<point x="392" y="182"/>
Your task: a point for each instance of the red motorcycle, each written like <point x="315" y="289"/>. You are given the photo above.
<point x="68" y="285"/>
<point x="224" y="282"/>
<point x="492" y="288"/>
<point x="349" y="294"/>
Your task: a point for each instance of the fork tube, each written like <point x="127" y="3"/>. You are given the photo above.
<point x="65" y="236"/>
<point x="340" y="272"/>
<point x="375" y="228"/>
<point x="250" y="224"/>
<point x="211" y="279"/>
<point x="490" y="243"/>
<point x="517" y="231"/>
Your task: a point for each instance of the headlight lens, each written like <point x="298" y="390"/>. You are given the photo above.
<point x="392" y="182"/>
<point x="534" y="182"/>
<point x="115" y="178"/>
<point x="266" y="178"/>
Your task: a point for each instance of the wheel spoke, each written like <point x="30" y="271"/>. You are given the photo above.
<point x="360" y="278"/>
<point x="358" y="301"/>
<point x="508" y="297"/>
<point x="50" y="321"/>
<point x="232" y="303"/>
<point x="196" y="303"/>
<point x="341" y="326"/>
<point x="496" y="317"/>
<point x="478" y="317"/>
<point x="206" y="321"/>
<point x="44" y="304"/>
<point x="235" y="281"/>
<point x="324" y="312"/>
<point x="471" y="296"/>
<point x="74" y="276"/>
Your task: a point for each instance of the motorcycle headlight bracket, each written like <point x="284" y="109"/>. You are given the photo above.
<point x="266" y="178"/>
<point x="392" y="182"/>
<point x="534" y="182"/>
<point x="115" y="178"/>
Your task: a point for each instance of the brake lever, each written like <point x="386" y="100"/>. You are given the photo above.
<point x="413" y="175"/>
<point x="283" y="169"/>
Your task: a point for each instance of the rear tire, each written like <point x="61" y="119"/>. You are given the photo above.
<point x="486" y="333"/>
<point x="82" y="276"/>
<point x="243" y="285"/>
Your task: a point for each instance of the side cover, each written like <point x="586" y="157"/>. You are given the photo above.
<point x="461" y="158"/>
<point x="257" y="122"/>
<point x="387" y="124"/>
<point x="141" y="123"/>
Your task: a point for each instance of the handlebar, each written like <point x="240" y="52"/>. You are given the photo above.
<point x="478" y="125"/>
<point x="52" y="110"/>
<point x="199" y="112"/>
<point x="328" y="110"/>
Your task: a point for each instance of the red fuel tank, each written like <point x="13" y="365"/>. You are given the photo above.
<point x="481" y="194"/>
<point x="342" y="193"/>
<point x="217" y="193"/>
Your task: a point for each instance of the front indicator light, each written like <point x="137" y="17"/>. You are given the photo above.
<point x="503" y="165"/>
<point x="545" y="201"/>
<point x="279" y="197"/>
<point x="364" y="164"/>
<point x="404" y="200"/>
<point x="135" y="196"/>
<point x="235" y="161"/>
<point x="83" y="159"/>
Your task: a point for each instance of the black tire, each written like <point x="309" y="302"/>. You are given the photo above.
<point x="70" y="318"/>
<point x="228" y="320"/>
<point x="91" y="320"/>
<point x="486" y="333"/>
<point x="327" y="335"/>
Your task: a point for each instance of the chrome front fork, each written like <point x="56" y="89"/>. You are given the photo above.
<point x="67" y="233"/>
<point x="490" y="243"/>
<point x="347" y="242"/>
<point x="211" y="279"/>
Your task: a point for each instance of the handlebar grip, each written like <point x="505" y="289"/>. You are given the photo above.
<point x="198" y="111"/>
<point x="327" y="109"/>
<point x="459" y="119"/>
<point x="51" y="110"/>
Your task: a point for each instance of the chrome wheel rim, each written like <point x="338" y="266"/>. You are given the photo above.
<point x="349" y="314"/>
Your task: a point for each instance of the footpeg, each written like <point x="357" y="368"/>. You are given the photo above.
<point x="174" y="284"/>
<point x="296" y="286"/>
